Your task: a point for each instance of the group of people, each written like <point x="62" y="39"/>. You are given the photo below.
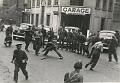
<point x="75" y="42"/>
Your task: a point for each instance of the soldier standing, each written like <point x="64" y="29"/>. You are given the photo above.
<point x="112" y="49"/>
<point x="28" y="38"/>
<point x="20" y="60"/>
<point x="69" y="40"/>
<point x="82" y="40"/>
<point x="62" y="36"/>
<point x="9" y="30"/>
<point x="44" y="35"/>
<point x="74" y="76"/>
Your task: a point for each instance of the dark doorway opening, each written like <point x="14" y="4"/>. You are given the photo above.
<point x="80" y="21"/>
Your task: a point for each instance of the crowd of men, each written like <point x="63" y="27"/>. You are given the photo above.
<point x="71" y="40"/>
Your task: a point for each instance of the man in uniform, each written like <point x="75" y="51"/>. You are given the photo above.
<point x="44" y="35"/>
<point x="112" y="49"/>
<point x="37" y="43"/>
<point x="69" y="40"/>
<point x="74" y="76"/>
<point x="51" y="46"/>
<point x="28" y="37"/>
<point x="82" y="40"/>
<point x="62" y="36"/>
<point x="20" y="60"/>
<point x="9" y="30"/>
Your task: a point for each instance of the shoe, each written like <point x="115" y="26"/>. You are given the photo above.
<point x="91" y="69"/>
<point x="86" y="65"/>
<point x="61" y="58"/>
<point x="26" y="77"/>
<point x="109" y="61"/>
<point x="43" y="58"/>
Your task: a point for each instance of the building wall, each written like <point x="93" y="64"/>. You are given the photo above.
<point x="95" y="17"/>
<point x="116" y="16"/>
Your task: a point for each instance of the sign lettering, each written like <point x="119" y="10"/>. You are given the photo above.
<point x="76" y="10"/>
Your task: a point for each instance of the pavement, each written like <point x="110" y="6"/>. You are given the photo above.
<point x="52" y="69"/>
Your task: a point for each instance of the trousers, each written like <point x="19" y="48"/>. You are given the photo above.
<point x="23" y="69"/>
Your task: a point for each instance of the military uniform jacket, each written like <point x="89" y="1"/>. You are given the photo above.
<point x="73" y="77"/>
<point x="19" y="56"/>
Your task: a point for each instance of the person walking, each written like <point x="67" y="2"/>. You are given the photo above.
<point x="28" y="38"/>
<point x="9" y="30"/>
<point x="51" y="46"/>
<point x="37" y="43"/>
<point x="20" y="60"/>
<point x="97" y="49"/>
<point x="74" y="76"/>
<point x="112" y="49"/>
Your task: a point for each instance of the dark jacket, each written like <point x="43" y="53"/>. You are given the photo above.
<point x="19" y="56"/>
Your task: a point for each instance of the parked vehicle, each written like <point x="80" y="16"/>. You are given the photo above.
<point x="107" y="36"/>
<point x="20" y="32"/>
<point x="71" y="28"/>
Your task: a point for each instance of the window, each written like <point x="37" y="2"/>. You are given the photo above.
<point x="37" y="19"/>
<point x="55" y="2"/>
<point x="102" y="24"/>
<point x="104" y="5"/>
<point x="42" y="14"/>
<point x="49" y="2"/>
<point x="32" y="19"/>
<point x="48" y="20"/>
<point x="38" y="3"/>
<point x="76" y="2"/>
<point x="33" y="3"/>
<point x="97" y="4"/>
<point x="110" y="5"/>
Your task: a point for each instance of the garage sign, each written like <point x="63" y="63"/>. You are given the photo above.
<point x="76" y="10"/>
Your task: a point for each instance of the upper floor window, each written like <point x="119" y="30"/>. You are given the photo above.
<point x="38" y="3"/>
<point x="55" y="2"/>
<point x="49" y="2"/>
<point x="33" y="3"/>
<point x="76" y="2"/>
<point x="104" y="5"/>
<point x="110" y="5"/>
<point x="97" y="4"/>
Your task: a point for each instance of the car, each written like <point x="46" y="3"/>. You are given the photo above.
<point x="20" y="32"/>
<point x="107" y="36"/>
<point x="71" y="28"/>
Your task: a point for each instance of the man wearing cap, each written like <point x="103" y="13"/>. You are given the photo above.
<point x="74" y="76"/>
<point x="20" y="60"/>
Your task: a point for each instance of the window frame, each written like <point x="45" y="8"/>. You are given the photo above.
<point x="48" y="23"/>
<point x="49" y="3"/>
<point x="98" y="4"/>
<point x="37" y="3"/>
<point x="33" y="4"/>
<point x="110" y="7"/>
<point x="104" y="5"/>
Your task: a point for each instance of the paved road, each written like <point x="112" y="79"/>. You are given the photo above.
<point x="52" y="70"/>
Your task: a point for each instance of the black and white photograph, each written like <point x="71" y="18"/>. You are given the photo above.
<point x="59" y="41"/>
